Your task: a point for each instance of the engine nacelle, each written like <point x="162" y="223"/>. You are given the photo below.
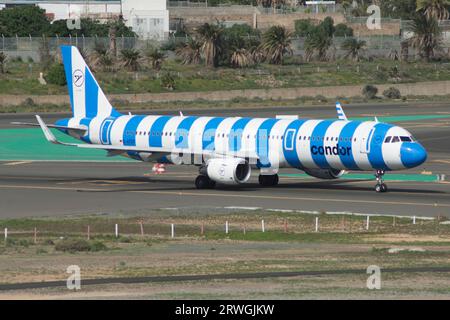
<point x="228" y="170"/>
<point x="327" y="174"/>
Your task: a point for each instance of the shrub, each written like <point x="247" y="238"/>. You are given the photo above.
<point x="97" y="246"/>
<point x="342" y="30"/>
<point x="369" y="91"/>
<point x="303" y="27"/>
<point x="56" y="75"/>
<point x="392" y="93"/>
<point x="72" y="245"/>
<point x="79" y="245"/>
<point x="168" y="81"/>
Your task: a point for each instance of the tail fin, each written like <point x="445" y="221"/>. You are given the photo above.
<point x="86" y="97"/>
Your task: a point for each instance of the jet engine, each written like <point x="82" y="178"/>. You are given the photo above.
<point x="228" y="170"/>
<point x="327" y="174"/>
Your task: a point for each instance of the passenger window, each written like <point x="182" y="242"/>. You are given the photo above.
<point x="395" y="139"/>
<point x="387" y="140"/>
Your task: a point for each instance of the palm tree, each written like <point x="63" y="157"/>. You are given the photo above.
<point x="318" y="41"/>
<point x="354" y="48"/>
<point x="156" y="58"/>
<point x="427" y="35"/>
<point x="276" y="44"/>
<point x="241" y="58"/>
<point x="211" y="38"/>
<point x="3" y="58"/>
<point x="437" y="9"/>
<point x="190" y="52"/>
<point x="131" y="59"/>
<point x="101" y="57"/>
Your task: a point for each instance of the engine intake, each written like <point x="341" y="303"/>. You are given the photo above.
<point x="228" y="170"/>
<point x="327" y="174"/>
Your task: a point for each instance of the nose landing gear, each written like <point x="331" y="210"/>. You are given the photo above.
<point x="380" y="186"/>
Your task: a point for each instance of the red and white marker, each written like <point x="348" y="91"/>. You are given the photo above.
<point x="159" y="168"/>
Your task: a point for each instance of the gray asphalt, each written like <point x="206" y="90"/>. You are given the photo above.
<point x="62" y="188"/>
<point x="209" y="277"/>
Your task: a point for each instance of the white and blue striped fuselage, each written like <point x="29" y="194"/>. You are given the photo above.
<point x="277" y="143"/>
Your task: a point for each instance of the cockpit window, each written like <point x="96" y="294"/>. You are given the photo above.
<point x="405" y="139"/>
<point x="395" y="139"/>
<point x="387" y="140"/>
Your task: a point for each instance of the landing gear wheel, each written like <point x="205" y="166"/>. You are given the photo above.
<point x="268" y="181"/>
<point x="203" y="182"/>
<point x="380" y="186"/>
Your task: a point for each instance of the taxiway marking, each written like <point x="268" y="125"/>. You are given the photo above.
<point x="288" y="198"/>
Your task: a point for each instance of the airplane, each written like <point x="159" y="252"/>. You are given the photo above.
<point x="227" y="149"/>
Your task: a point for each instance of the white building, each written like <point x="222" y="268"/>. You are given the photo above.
<point x="148" y="18"/>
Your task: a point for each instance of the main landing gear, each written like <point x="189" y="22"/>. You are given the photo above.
<point x="380" y="186"/>
<point x="268" y="181"/>
<point x="204" y="182"/>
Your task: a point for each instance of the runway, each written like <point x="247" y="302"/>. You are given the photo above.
<point x="46" y="188"/>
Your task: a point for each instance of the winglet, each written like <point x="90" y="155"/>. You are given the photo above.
<point x="340" y="112"/>
<point x="48" y="134"/>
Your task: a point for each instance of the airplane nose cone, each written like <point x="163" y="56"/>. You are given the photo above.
<point x="413" y="154"/>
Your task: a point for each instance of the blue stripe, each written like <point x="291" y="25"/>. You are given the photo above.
<point x="292" y="156"/>
<point x="64" y="123"/>
<point x="182" y="133"/>
<point x="347" y="133"/>
<point x="156" y="131"/>
<point x="91" y="95"/>
<point x="262" y="142"/>
<point x="317" y="143"/>
<point x="86" y="122"/>
<point x="66" y="52"/>
<point x="235" y="138"/>
<point x="129" y="133"/>
<point x="376" y="143"/>
<point x="209" y="134"/>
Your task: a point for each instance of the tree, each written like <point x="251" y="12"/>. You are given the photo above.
<point x="131" y="59"/>
<point x="276" y="44"/>
<point x="212" y="43"/>
<point x="23" y="21"/>
<point x="399" y="9"/>
<point x="318" y="42"/>
<point x="3" y="58"/>
<point x="304" y="27"/>
<point x="342" y="30"/>
<point x="427" y="35"/>
<point x="354" y="48"/>
<point x="190" y="52"/>
<point x="101" y="57"/>
<point x="437" y="9"/>
<point x="241" y="58"/>
<point x="91" y="28"/>
<point x="156" y="58"/>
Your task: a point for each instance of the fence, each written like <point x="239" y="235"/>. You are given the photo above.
<point x="30" y="47"/>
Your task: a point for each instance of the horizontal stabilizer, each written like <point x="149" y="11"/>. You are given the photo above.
<point x="80" y="130"/>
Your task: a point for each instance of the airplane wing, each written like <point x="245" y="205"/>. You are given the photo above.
<point x="340" y="112"/>
<point x="115" y="150"/>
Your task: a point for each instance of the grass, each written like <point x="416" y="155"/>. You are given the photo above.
<point x="21" y="77"/>
<point x="300" y="227"/>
